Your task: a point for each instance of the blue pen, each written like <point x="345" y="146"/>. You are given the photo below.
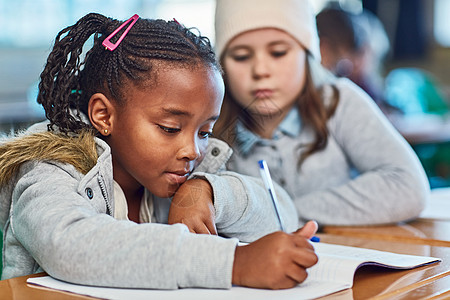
<point x="315" y="239"/>
<point x="265" y="175"/>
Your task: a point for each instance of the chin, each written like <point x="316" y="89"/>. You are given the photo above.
<point x="167" y="193"/>
<point x="265" y="110"/>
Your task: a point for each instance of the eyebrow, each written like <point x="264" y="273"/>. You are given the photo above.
<point x="176" y="112"/>
<point x="247" y="47"/>
<point x="278" y="42"/>
<point x="179" y="112"/>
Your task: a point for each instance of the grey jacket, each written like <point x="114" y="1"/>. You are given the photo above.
<point x="58" y="219"/>
<point x="366" y="174"/>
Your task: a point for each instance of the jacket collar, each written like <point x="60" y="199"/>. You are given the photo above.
<point x="246" y="140"/>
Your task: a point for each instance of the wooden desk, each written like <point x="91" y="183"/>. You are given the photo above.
<point x="421" y="231"/>
<point x="430" y="282"/>
<point x="377" y="283"/>
<point x="433" y="231"/>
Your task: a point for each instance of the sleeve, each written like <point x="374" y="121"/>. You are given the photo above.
<point x="244" y="208"/>
<point x="74" y="242"/>
<point x="391" y="185"/>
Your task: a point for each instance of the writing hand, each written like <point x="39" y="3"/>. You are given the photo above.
<point x="276" y="261"/>
<point x="308" y="230"/>
<point x="193" y="206"/>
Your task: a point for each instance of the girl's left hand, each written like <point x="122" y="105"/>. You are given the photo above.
<point x="193" y="206"/>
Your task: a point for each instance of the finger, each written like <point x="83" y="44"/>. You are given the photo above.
<point x="206" y="229"/>
<point x="305" y="257"/>
<point x="211" y="227"/>
<point x="187" y="224"/>
<point x="296" y="273"/>
<point x="301" y="242"/>
<point x="285" y="283"/>
<point x="201" y="228"/>
<point x="308" y="230"/>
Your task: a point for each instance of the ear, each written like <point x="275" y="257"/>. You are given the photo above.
<point x="101" y="113"/>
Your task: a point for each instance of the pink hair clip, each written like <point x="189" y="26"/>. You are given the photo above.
<point x="175" y="20"/>
<point x="107" y="42"/>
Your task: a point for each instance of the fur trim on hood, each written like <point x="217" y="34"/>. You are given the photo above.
<point x="79" y="151"/>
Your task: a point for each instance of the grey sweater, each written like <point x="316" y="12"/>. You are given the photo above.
<point x="59" y="220"/>
<point x="367" y="173"/>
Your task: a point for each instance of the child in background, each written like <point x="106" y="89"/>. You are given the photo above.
<point x="355" y="46"/>
<point x="129" y="126"/>
<point x="323" y="138"/>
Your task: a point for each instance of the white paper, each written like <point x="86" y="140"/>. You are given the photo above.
<point x="438" y="206"/>
<point x="334" y="272"/>
<point x="310" y="290"/>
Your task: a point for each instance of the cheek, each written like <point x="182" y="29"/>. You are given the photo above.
<point x="295" y="77"/>
<point x="236" y="76"/>
<point x="239" y="89"/>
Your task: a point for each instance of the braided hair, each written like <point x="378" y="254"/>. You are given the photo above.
<point x="68" y="81"/>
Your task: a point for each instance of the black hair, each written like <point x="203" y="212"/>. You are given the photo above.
<point x="68" y="81"/>
<point x="342" y="28"/>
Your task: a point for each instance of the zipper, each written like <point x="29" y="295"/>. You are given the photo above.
<point x="101" y="183"/>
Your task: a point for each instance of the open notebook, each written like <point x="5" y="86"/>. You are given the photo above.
<point x="334" y="272"/>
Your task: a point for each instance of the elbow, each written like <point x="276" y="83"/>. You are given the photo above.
<point x="415" y="198"/>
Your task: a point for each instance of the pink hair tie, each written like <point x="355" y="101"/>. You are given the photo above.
<point x="107" y="42"/>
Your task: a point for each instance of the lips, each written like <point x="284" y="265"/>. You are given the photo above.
<point x="178" y="177"/>
<point x="262" y="93"/>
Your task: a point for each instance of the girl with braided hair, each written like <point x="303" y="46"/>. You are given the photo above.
<point x="127" y="145"/>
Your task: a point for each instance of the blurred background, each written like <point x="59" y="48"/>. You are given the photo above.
<point x="396" y="50"/>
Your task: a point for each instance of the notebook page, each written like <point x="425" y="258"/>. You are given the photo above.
<point x="333" y="273"/>
<point x="311" y="290"/>
<point x="339" y="263"/>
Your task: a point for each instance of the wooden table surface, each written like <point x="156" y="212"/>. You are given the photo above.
<point x="427" y="282"/>
<point x="420" y="231"/>
<point x="379" y="283"/>
<point x="428" y="230"/>
<point x="423" y="236"/>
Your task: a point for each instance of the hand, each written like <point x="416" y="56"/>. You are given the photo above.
<point x="276" y="261"/>
<point x="193" y="206"/>
<point x="308" y="230"/>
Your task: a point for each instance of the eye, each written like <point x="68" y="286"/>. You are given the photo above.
<point x="169" y="129"/>
<point x="241" y="57"/>
<point x="205" y="134"/>
<point x="278" y="53"/>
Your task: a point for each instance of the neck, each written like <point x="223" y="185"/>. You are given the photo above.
<point x="267" y="124"/>
<point x="132" y="190"/>
<point x="134" y="203"/>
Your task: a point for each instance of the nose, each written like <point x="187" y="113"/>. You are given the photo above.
<point x="260" y="68"/>
<point x="189" y="150"/>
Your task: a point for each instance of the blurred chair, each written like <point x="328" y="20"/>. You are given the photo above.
<point x="415" y="91"/>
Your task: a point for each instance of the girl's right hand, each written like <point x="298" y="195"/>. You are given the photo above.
<point x="276" y="261"/>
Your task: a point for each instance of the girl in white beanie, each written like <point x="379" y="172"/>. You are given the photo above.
<point x="324" y="139"/>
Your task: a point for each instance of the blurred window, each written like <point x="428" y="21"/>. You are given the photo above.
<point x="29" y="28"/>
<point x="35" y="23"/>
<point x="441" y="27"/>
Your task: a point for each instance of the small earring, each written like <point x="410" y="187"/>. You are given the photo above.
<point x="105" y="131"/>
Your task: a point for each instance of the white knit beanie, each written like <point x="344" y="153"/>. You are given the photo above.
<point x="295" y="17"/>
